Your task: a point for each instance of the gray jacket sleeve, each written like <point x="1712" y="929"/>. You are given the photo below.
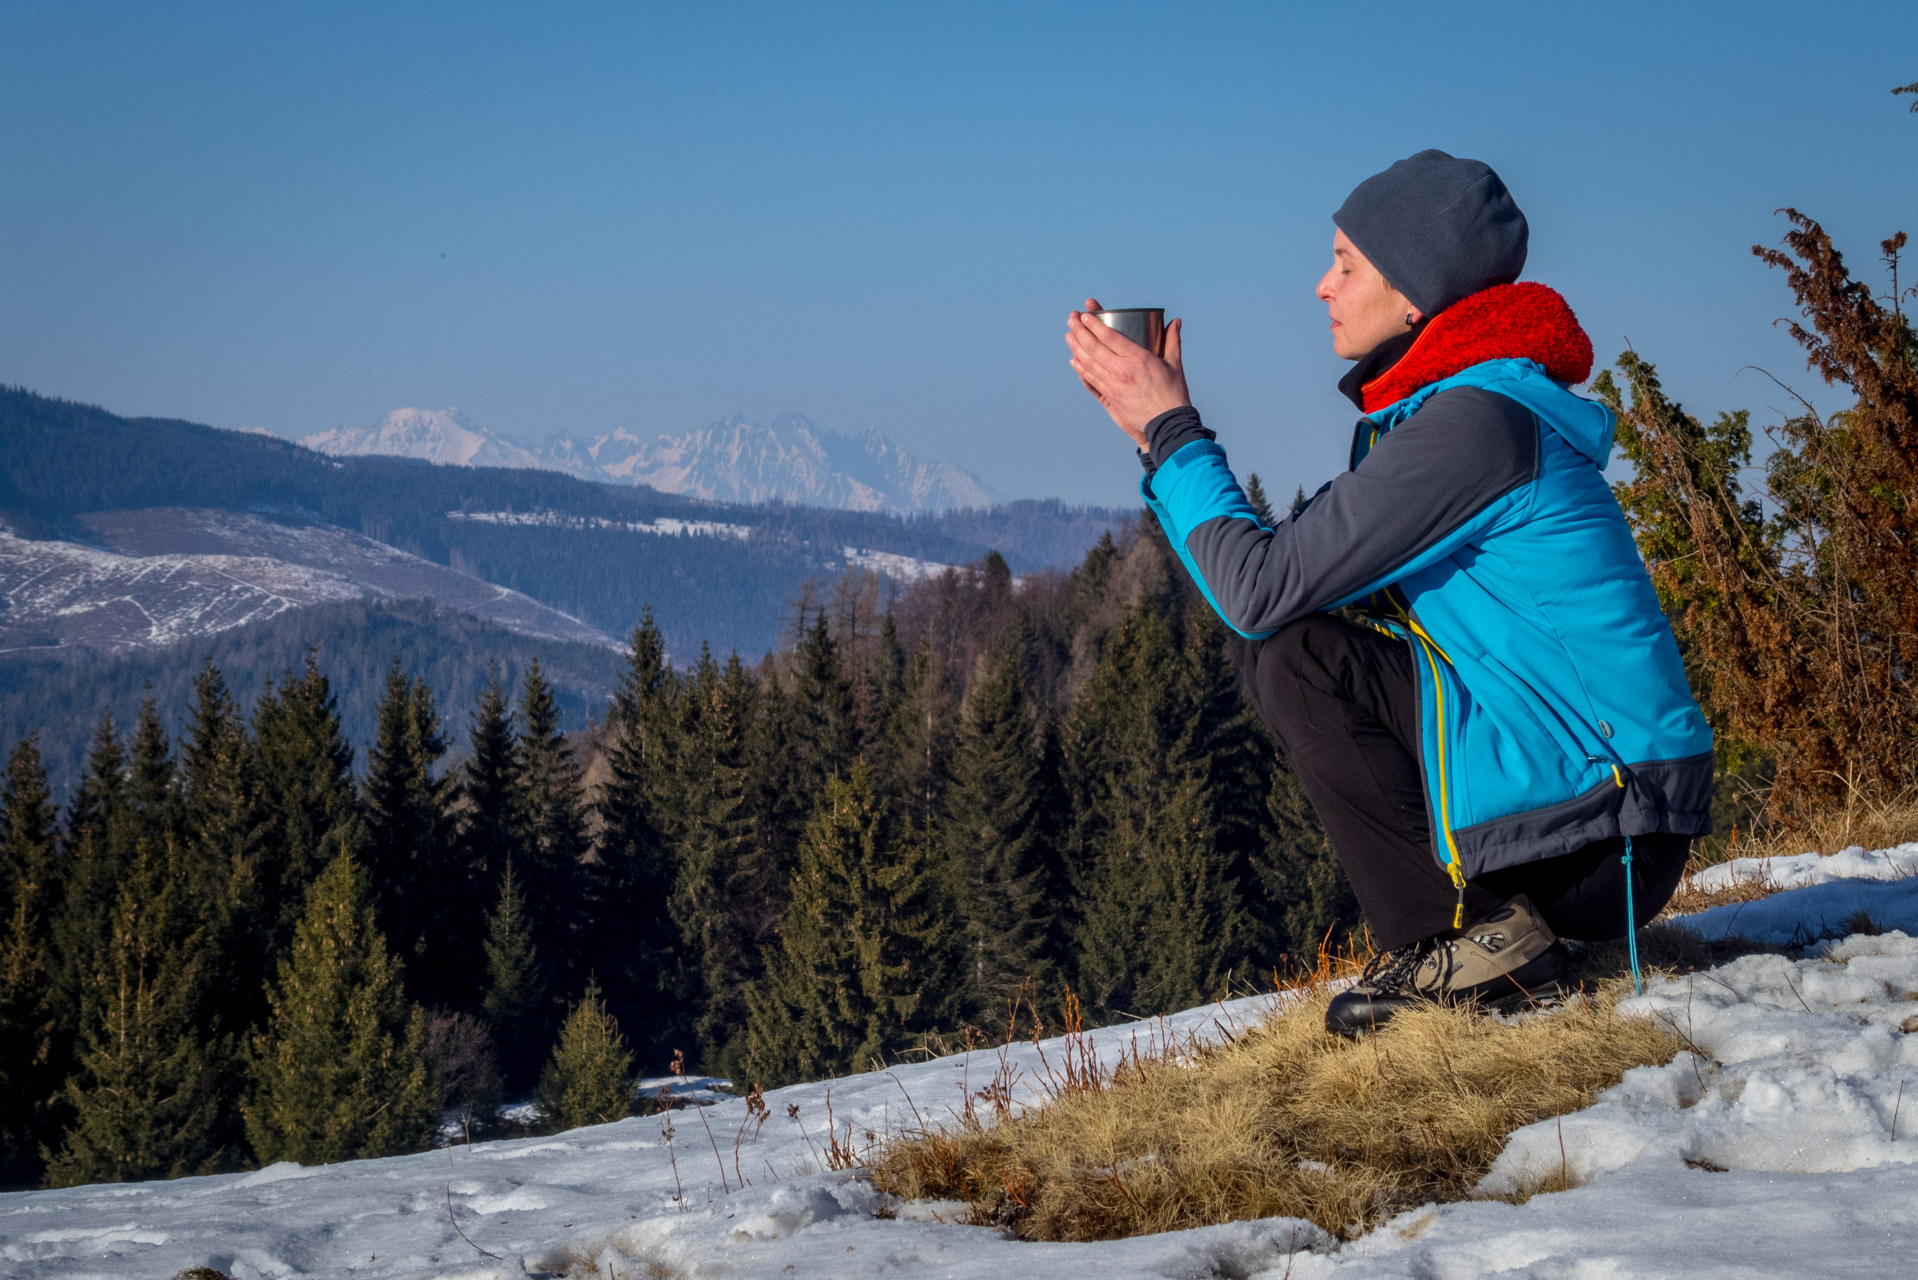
<point x="1420" y="492"/>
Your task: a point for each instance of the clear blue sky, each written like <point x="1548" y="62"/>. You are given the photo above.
<point x="646" y="216"/>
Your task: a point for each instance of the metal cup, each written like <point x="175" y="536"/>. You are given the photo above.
<point x="1144" y="325"/>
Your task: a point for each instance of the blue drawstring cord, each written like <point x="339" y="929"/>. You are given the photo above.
<point x="1631" y="923"/>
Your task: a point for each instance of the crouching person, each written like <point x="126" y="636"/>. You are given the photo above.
<point x="1502" y="746"/>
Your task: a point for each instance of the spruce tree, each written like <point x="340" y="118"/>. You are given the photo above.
<point x="492" y="830"/>
<point x="97" y="845"/>
<point x="1161" y="920"/>
<point x="553" y="802"/>
<point x="912" y="757"/>
<point x="880" y="682"/>
<point x="780" y="800"/>
<point x="408" y="843"/>
<point x="1301" y="873"/>
<point x="338" y="1072"/>
<point x="1261" y="505"/>
<point x="993" y="833"/>
<point x="151" y="1094"/>
<point x="119" y="803"/>
<point x="1237" y="759"/>
<point x="101" y="798"/>
<point x="590" y="1077"/>
<point x="825" y="733"/>
<point x="865" y="960"/>
<point x="221" y="840"/>
<point x="491" y="818"/>
<point x="307" y="800"/>
<point x="152" y="776"/>
<point x="636" y="944"/>
<point x="516" y="1003"/>
<point x="714" y="856"/>
<point x="28" y="1058"/>
<point x="219" y="793"/>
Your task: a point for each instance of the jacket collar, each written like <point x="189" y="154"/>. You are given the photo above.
<point x="1373" y="364"/>
<point x="1507" y="321"/>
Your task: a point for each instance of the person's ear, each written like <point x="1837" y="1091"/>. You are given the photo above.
<point x="1412" y="317"/>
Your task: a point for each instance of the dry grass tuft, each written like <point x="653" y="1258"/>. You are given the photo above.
<point x="1868" y="823"/>
<point x="1873" y="824"/>
<point x="1282" y="1120"/>
<point x="1689" y="897"/>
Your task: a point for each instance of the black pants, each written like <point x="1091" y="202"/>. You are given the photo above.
<point x="1342" y="701"/>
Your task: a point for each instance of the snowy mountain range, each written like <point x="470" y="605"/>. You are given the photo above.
<point x="791" y="460"/>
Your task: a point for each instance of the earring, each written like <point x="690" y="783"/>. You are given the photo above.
<point x="1410" y="320"/>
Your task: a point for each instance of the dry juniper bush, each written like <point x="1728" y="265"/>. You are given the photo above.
<point x="1796" y="606"/>
<point x="1283" y="1120"/>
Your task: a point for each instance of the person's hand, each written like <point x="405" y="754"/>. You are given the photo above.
<point x="1134" y="385"/>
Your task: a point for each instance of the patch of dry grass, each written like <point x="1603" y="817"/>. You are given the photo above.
<point x="1874" y="824"/>
<point x="1284" y="1119"/>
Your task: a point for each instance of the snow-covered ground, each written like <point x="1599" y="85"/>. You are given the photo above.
<point x="1830" y="895"/>
<point x="1770" y="1151"/>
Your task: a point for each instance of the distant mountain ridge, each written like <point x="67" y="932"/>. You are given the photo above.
<point x="790" y="460"/>
<point x="173" y="531"/>
<point x="431" y="435"/>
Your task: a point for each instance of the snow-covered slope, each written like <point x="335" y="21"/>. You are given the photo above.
<point x="61" y="594"/>
<point x="790" y="460"/>
<point x="165" y="575"/>
<point x="1770" y="1152"/>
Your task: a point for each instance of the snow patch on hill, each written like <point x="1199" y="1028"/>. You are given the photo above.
<point x="893" y="565"/>
<point x="61" y="594"/>
<point x="664" y="526"/>
<point x="169" y="574"/>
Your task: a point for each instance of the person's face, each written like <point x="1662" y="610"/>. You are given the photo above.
<point x="1365" y="309"/>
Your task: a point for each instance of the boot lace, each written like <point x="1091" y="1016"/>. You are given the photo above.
<point x="1393" y="970"/>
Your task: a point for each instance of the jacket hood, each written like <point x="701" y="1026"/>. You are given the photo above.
<point x="1530" y="346"/>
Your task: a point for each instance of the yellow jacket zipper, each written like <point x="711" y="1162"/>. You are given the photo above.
<point x="1430" y="648"/>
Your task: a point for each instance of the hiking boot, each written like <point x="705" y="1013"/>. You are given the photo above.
<point x="1508" y="959"/>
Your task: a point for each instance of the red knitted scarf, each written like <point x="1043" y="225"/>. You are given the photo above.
<point x="1507" y="321"/>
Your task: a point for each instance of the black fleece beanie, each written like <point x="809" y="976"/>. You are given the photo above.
<point x="1438" y="228"/>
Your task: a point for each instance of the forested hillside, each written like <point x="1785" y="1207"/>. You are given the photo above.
<point x="359" y="640"/>
<point x="907" y="822"/>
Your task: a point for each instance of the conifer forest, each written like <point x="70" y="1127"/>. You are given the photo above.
<point x="239" y="940"/>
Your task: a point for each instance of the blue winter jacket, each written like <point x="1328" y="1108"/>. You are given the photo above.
<point x="1476" y="524"/>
